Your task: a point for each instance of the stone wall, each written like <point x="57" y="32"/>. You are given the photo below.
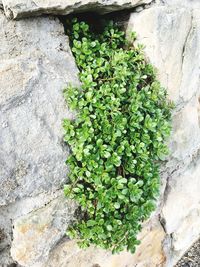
<point x="36" y="64"/>
<point x="171" y="35"/>
<point x="23" y="8"/>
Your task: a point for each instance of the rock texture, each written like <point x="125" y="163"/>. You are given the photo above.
<point x="67" y="254"/>
<point x="183" y="3"/>
<point x="37" y="232"/>
<point x="171" y="38"/>
<point x="23" y="8"/>
<point x="36" y="64"/>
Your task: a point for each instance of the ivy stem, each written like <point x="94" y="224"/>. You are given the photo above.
<point x="124" y="237"/>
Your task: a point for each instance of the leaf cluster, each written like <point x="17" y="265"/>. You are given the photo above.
<point x="117" y="139"/>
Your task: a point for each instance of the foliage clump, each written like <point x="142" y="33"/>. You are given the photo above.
<point x="116" y="139"/>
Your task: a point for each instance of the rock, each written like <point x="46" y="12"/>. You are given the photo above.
<point x="171" y="38"/>
<point x="22" y="8"/>
<point x="183" y="3"/>
<point x="139" y="9"/>
<point x="36" y="64"/>
<point x="181" y="211"/>
<point x="186" y="131"/>
<point x="68" y="254"/>
<point x="165" y="25"/>
<point x="36" y="233"/>
<point x="15" y="210"/>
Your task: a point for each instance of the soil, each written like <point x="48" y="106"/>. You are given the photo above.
<point x="191" y="257"/>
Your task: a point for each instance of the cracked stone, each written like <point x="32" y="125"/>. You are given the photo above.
<point x="147" y="254"/>
<point x="36" y="233"/>
<point x="22" y="8"/>
<point x="33" y="76"/>
<point x="171" y="39"/>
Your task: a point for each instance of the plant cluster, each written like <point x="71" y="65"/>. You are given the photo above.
<point x="117" y="138"/>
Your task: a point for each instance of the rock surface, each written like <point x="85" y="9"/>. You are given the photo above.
<point x="36" y="63"/>
<point x="171" y="38"/>
<point x="183" y="3"/>
<point x="36" y="233"/>
<point x="67" y="254"/>
<point x="23" y="8"/>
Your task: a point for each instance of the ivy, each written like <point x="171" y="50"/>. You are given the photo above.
<point x="117" y="138"/>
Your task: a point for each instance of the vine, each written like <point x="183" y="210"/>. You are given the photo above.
<point x="117" y="138"/>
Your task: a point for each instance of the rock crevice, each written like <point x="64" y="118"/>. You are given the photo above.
<point x="36" y="64"/>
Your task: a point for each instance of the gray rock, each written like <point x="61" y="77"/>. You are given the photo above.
<point x="182" y="3"/>
<point x="139" y="9"/>
<point x="171" y="39"/>
<point x="22" y="8"/>
<point x="36" y="65"/>
<point x="181" y="212"/>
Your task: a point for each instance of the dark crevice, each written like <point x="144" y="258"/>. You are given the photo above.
<point x="96" y="18"/>
<point x="97" y="21"/>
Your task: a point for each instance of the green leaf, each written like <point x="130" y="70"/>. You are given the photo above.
<point x="67" y="189"/>
<point x="109" y="227"/>
<point x="117" y="205"/>
<point x="91" y="223"/>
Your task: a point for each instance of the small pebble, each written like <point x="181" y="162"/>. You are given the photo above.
<point x="191" y="257"/>
<point x="138" y="9"/>
<point x="4" y="124"/>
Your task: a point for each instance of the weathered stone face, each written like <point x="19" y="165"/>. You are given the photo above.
<point x="67" y="254"/>
<point x="182" y="211"/>
<point x="171" y="37"/>
<point x="36" y="64"/>
<point x="39" y="231"/>
<point x="36" y="233"/>
<point x="24" y="8"/>
<point x="184" y="3"/>
<point x="171" y="40"/>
